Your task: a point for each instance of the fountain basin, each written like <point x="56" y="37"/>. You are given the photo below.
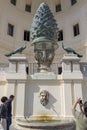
<point x="24" y="124"/>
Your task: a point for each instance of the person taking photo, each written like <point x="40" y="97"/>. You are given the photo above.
<point x="80" y="115"/>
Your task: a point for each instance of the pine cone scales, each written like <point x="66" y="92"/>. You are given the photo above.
<point x="44" y="24"/>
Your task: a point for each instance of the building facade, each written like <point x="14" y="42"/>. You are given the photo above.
<point x="16" y="18"/>
<point x="15" y="23"/>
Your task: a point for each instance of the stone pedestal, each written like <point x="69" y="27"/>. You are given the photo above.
<point x="72" y="82"/>
<point x="44" y="75"/>
<point x="71" y="66"/>
<point x="17" y="79"/>
<point x="63" y="89"/>
<point x="17" y="63"/>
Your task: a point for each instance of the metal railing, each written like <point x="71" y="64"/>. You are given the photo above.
<point x="32" y="68"/>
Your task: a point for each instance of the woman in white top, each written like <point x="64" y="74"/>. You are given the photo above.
<point x="80" y="116"/>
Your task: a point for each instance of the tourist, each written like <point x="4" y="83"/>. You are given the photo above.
<point x="80" y="116"/>
<point x="3" y="112"/>
<point x="9" y="112"/>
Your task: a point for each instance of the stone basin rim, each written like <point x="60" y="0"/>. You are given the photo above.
<point x="68" y="123"/>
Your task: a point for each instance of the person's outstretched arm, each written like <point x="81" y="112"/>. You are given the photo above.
<point x="75" y="103"/>
<point x="74" y="111"/>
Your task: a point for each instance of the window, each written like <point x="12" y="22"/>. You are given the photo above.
<point x="27" y="70"/>
<point x="76" y="29"/>
<point x="73" y="2"/>
<point x="60" y="38"/>
<point x="13" y="2"/>
<point x="59" y="70"/>
<point x="10" y="30"/>
<point x="26" y="35"/>
<point x="58" y="7"/>
<point x="28" y="8"/>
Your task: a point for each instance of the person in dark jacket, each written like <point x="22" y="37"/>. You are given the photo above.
<point x="3" y="112"/>
<point x="9" y="112"/>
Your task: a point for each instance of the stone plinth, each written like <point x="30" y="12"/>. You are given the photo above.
<point x="17" y="63"/>
<point x="44" y="75"/>
<point x="71" y="67"/>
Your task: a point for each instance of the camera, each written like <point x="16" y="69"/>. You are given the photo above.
<point x="80" y="102"/>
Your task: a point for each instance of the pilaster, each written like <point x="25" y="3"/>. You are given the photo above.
<point x="17" y="81"/>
